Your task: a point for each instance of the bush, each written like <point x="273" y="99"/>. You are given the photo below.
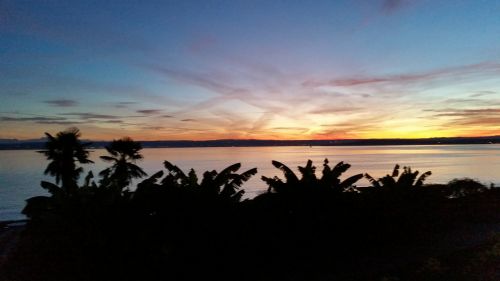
<point x="465" y="186"/>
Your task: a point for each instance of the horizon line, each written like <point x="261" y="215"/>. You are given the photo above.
<point x="253" y="139"/>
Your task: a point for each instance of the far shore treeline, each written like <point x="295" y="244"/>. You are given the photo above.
<point x="187" y="225"/>
<point x="40" y="143"/>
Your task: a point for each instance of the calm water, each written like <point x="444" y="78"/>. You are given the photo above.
<point x="22" y="170"/>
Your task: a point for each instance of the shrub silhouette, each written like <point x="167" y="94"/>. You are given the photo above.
<point x="464" y="186"/>
<point x="329" y="181"/>
<point x="396" y="181"/>
<point x="225" y="184"/>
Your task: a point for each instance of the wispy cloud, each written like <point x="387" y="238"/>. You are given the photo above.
<point x="352" y="128"/>
<point x="335" y="110"/>
<point x="82" y="119"/>
<point x="256" y="95"/>
<point x="154" y="128"/>
<point x="478" y="70"/>
<point x="293" y="104"/>
<point x="300" y="129"/>
<point x="89" y="115"/>
<point x="303" y="102"/>
<point x="62" y="102"/>
<point x="149" y="111"/>
<point x="482" y="94"/>
<point x="479" y="118"/>
<point x="60" y="122"/>
<point x="339" y="131"/>
<point x="466" y="112"/>
<point x="112" y="121"/>
<point x="31" y="119"/>
<point x="479" y="121"/>
<point x="42" y="120"/>
<point x="124" y="104"/>
<point x="465" y="100"/>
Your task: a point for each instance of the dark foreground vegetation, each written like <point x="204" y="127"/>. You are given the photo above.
<point x="179" y="225"/>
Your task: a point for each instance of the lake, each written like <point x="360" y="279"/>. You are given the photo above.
<point x="22" y="170"/>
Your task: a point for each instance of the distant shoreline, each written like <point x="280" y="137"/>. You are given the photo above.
<point x="39" y="144"/>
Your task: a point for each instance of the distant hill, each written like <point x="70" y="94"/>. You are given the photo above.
<point x="39" y="143"/>
<point x="8" y="140"/>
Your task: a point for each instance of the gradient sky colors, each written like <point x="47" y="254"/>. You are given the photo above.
<point x="250" y="69"/>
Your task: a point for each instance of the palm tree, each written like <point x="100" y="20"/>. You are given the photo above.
<point x="329" y="181"/>
<point x="124" y="154"/>
<point x="396" y="181"/>
<point x="65" y="150"/>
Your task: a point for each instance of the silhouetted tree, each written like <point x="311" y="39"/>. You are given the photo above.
<point x="329" y="181"/>
<point x="225" y="184"/>
<point x="407" y="179"/>
<point x="64" y="151"/>
<point x="124" y="154"/>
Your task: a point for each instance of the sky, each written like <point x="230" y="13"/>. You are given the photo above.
<point x="202" y="70"/>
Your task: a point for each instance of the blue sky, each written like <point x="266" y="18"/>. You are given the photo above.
<point x="250" y="69"/>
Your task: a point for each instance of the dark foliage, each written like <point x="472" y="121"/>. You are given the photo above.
<point x="177" y="226"/>
<point x="64" y="151"/>
<point x="124" y="153"/>
<point x="396" y="181"/>
<point x="308" y="182"/>
<point x="465" y="186"/>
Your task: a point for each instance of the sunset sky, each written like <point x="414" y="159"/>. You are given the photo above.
<point x="250" y="69"/>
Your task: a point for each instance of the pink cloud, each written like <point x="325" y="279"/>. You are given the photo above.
<point x="472" y="70"/>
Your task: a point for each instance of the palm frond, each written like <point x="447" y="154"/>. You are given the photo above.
<point x="51" y="188"/>
<point x="108" y="158"/>
<point x="151" y="180"/>
<point x="191" y="180"/>
<point x="422" y="178"/>
<point x="274" y="184"/>
<point x="350" y="181"/>
<point x="136" y="169"/>
<point x="339" y="169"/>
<point x="105" y="173"/>
<point x="326" y="168"/>
<point x="229" y="170"/>
<point x="387" y="182"/>
<point x="238" y="180"/>
<point x="395" y="172"/>
<point x="287" y="172"/>
<point x="372" y="180"/>
<point x="308" y="172"/>
<point x="173" y="169"/>
<point x="88" y="178"/>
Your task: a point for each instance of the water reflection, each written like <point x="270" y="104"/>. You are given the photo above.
<point x="22" y="170"/>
